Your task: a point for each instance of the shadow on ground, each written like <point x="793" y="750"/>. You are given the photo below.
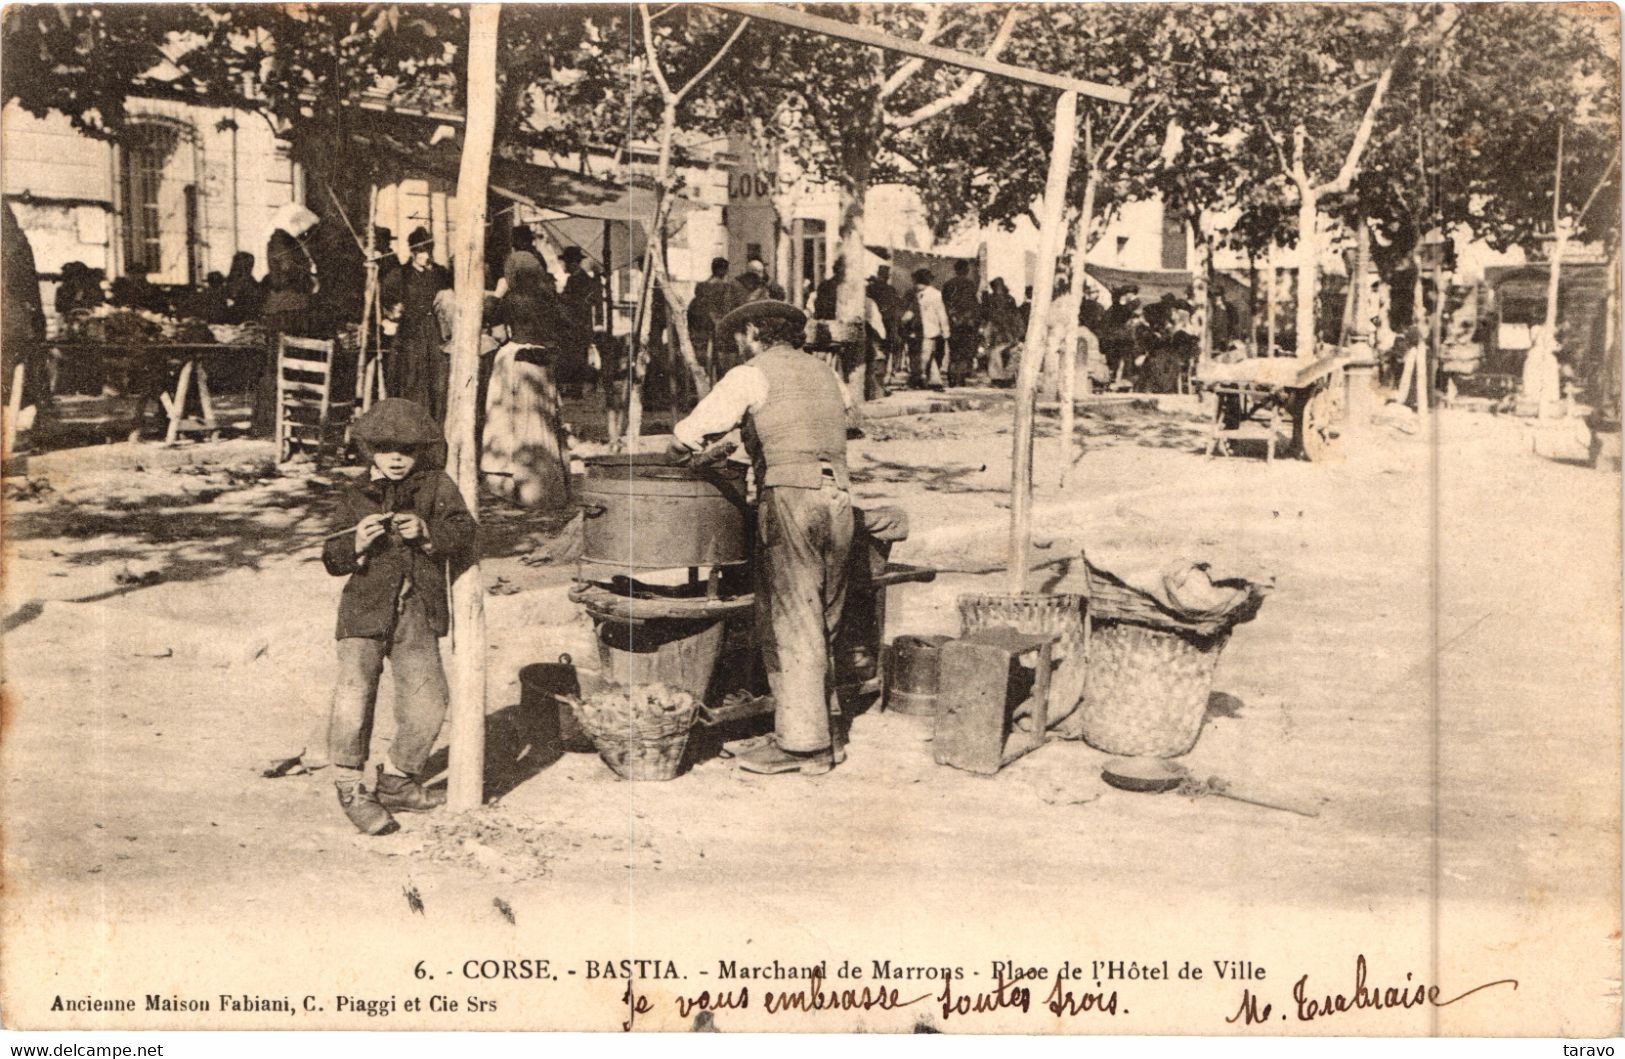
<point x="934" y="479"/>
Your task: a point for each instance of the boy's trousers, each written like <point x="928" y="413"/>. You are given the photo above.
<point x="420" y="692"/>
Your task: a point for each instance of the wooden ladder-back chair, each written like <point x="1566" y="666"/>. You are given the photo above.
<point x="306" y="411"/>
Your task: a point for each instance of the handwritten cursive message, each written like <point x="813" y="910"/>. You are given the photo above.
<point x="816" y="996"/>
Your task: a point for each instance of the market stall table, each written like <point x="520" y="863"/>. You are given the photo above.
<point x="169" y="372"/>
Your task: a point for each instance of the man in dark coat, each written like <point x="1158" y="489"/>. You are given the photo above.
<point x="522" y="257"/>
<point x="713" y="299"/>
<point x="1004" y="332"/>
<point x="580" y="296"/>
<point x="1117" y="336"/>
<point x="22" y="315"/>
<point x="826" y="298"/>
<point x="389" y="265"/>
<point x="756" y="267"/>
<point x="964" y="307"/>
<point x="413" y="369"/>
<point x="890" y="305"/>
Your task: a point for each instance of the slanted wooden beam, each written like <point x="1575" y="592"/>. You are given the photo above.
<point x="829" y="27"/>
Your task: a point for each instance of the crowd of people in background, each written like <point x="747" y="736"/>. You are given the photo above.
<point x="931" y="335"/>
<point x="302" y="293"/>
<point x="934" y="332"/>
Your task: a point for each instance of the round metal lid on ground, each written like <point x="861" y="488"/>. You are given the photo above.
<point x="1146" y="775"/>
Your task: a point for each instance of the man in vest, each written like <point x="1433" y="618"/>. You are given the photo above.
<point x="793" y="410"/>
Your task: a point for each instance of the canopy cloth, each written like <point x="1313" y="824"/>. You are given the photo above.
<point x="581" y="203"/>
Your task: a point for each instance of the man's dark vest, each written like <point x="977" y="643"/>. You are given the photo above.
<point x="802" y="426"/>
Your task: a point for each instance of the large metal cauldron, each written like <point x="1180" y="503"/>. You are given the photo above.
<point x="646" y="511"/>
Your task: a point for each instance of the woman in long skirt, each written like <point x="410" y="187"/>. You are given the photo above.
<point x="524" y="453"/>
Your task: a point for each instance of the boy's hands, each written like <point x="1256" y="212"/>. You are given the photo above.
<point x="409" y="525"/>
<point x="369" y="529"/>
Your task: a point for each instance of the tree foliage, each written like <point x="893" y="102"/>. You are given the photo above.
<point x="1407" y="117"/>
<point x="843" y="118"/>
<point x="989" y="163"/>
<point x="298" y="63"/>
<point x="1471" y="137"/>
<point x="1521" y="74"/>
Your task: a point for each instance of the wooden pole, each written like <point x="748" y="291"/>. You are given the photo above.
<point x="655" y="243"/>
<point x="1269" y="303"/>
<point x="1032" y="352"/>
<point x="466" y="783"/>
<point x="1069" y="346"/>
<point x="1556" y="264"/>
<point x="366" y="351"/>
<point x="14" y="408"/>
<point x="788" y="16"/>
<point x="1435" y="345"/>
<point x="1610" y="344"/>
<point x="609" y="279"/>
<point x="1408" y="372"/>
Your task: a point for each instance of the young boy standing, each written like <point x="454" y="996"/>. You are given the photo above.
<point x="408" y="519"/>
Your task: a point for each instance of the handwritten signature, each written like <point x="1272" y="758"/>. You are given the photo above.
<point x="813" y="996"/>
<point x="1253" y="1011"/>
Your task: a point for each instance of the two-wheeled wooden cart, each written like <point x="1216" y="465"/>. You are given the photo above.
<point x="1255" y="398"/>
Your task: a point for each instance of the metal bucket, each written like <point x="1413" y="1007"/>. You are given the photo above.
<point x="911" y="676"/>
<point x="556" y="724"/>
<point x="860" y="636"/>
<point x="644" y="512"/>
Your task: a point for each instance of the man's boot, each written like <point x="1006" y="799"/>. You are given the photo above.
<point x="364" y="811"/>
<point x="770" y="759"/>
<point x="403" y="794"/>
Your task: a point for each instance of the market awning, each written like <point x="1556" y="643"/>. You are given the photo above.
<point x="1153" y="284"/>
<point x="626" y="242"/>
<point x="539" y="186"/>
<point x="1586" y="278"/>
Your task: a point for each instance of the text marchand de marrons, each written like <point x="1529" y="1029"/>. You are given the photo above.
<point x="950" y="999"/>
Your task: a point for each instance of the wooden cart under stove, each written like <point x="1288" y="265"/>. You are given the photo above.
<point x="859" y="643"/>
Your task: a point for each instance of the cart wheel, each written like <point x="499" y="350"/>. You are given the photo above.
<point x="1319" y="430"/>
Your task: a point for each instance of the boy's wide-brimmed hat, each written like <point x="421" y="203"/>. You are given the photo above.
<point x="757" y="311"/>
<point x="399" y="421"/>
<point x="573" y="253"/>
<point x="420" y="239"/>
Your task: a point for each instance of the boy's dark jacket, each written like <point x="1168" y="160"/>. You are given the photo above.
<point x="367" y="607"/>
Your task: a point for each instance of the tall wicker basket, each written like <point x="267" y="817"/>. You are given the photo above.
<point x="1150" y="671"/>
<point x="1148" y="688"/>
<point x="1033" y="612"/>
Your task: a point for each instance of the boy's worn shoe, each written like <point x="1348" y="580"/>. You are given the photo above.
<point x="403" y="794"/>
<point x="770" y="759"/>
<point x="361" y="806"/>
